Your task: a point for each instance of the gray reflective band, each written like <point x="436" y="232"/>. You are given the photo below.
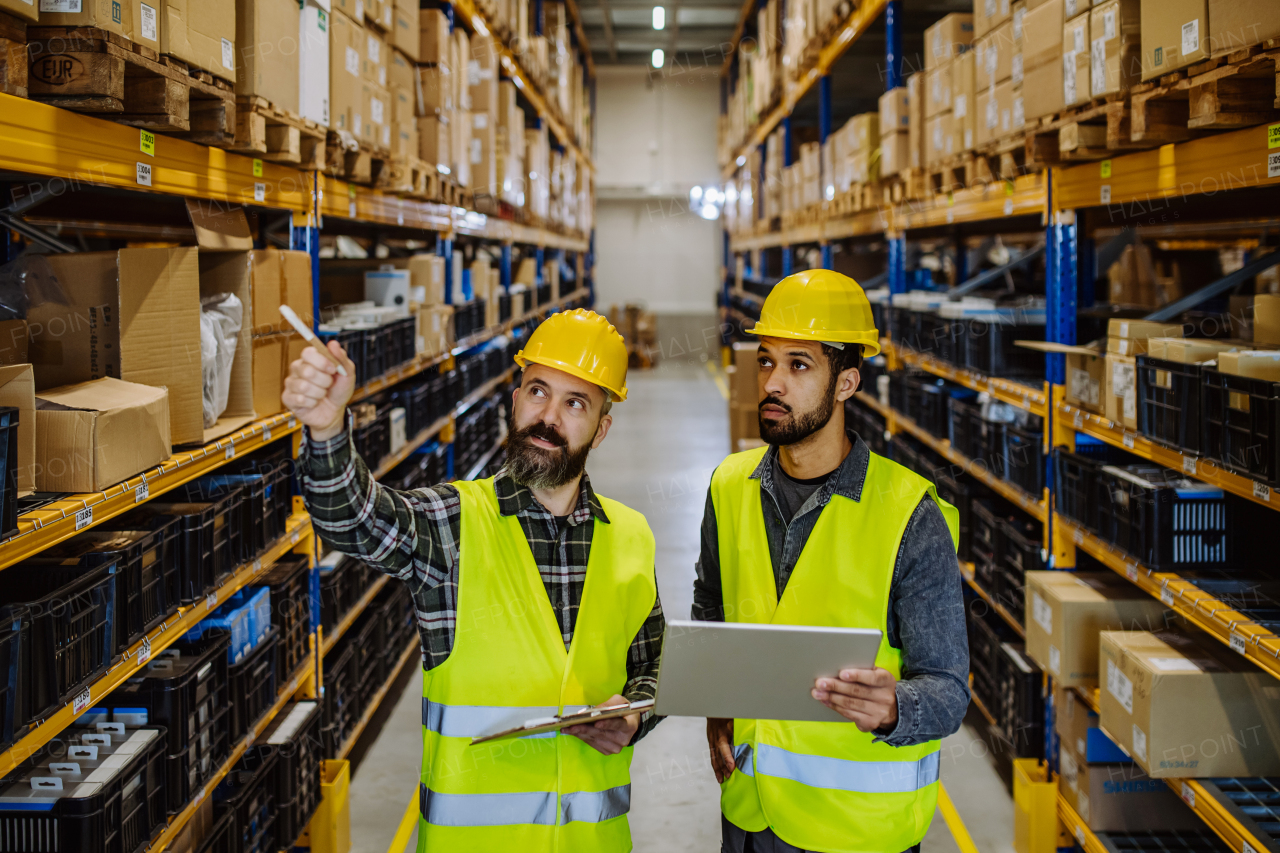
<point x="476" y="720"/>
<point x="866" y="777"/>
<point x="595" y="806"/>
<point x="538" y="807"/>
<point x="742" y="758"/>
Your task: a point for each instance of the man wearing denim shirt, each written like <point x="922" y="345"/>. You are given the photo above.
<point x="818" y="530"/>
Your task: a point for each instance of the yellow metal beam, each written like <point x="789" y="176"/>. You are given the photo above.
<point x="80" y="150"/>
<point x="1024" y="195"/>
<point x="1213" y="813"/>
<point x="1076" y="827"/>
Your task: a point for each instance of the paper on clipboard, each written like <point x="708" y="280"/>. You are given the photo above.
<point x="555" y="724"/>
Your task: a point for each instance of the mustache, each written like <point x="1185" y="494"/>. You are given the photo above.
<point x="543" y="431"/>
<point x="774" y="401"/>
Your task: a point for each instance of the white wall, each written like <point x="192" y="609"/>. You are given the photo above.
<point x="655" y="139"/>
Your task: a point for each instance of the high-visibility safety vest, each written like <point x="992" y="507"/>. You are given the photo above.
<point x="509" y="665"/>
<point x="824" y="786"/>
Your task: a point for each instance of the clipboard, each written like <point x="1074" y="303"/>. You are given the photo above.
<point x="556" y="723"/>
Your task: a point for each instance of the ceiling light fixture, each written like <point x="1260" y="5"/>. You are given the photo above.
<point x="659" y="17"/>
<point x="659" y="58"/>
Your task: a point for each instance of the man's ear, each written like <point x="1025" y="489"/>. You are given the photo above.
<point x="847" y="384"/>
<point x="602" y="430"/>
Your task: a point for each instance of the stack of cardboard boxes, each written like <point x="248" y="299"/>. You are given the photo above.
<point x="744" y="398"/>
<point x="370" y="79"/>
<point x="945" y="43"/>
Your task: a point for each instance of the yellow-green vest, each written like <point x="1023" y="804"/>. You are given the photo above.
<point x="508" y="665"/>
<point x="824" y="786"/>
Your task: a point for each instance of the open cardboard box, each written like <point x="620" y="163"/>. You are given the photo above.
<point x="1085" y="371"/>
<point x="18" y="389"/>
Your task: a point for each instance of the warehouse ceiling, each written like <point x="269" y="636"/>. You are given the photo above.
<point x="698" y="32"/>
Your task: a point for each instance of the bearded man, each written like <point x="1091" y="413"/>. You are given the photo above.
<point x="817" y="530"/>
<point x="534" y="596"/>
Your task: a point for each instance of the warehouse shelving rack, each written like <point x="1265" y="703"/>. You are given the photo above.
<point x="50" y="152"/>
<point x="1170" y="185"/>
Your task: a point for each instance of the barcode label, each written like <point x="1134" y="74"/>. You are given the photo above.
<point x="259" y="192"/>
<point x="1246" y="847"/>
<point x="293" y="540"/>
<point x="1078" y="536"/>
<point x="266" y="434"/>
<point x="211" y="601"/>
<point x="1080" y="834"/>
<point x="141" y="493"/>
<point x="293" y="422"/>
<point x="144" y="652"/>
<point x="257" y="565"/>
<point x="1166" y="596"/>
<point x="1104" y="195"/>
<point x="144" y="174"/>
<point x="1188" y="795"/>
<point x="1131" y="572"/>
<point x="1237" y="643"/>
<point x="84" y="518"/>
<point x="1189" y="465"/>
<point x="248" y="740"/>
<point x="1078" y="420"/>
<point x="82" y="700"/>
<point x="1261" y="491"/>
<point x="1128" y="440"/>
<point x="231" y="451"/>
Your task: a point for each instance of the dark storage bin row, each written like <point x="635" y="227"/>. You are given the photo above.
<point x="468" y="318"/>
<point x="295" y="736"/>
<point x="980" y="339"/>
<point x="479" y="430"/>
<point x="375" y="349"/>
<point x="343" y="580"/>
<point x="1007" y="683"/>
<point x="290" y="583"/>
<point x="248" y="793"/>
<point x="428" y="466"/>
<point x="868" y="424"/>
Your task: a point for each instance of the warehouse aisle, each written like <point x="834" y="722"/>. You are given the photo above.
<point x="666" y="441"/>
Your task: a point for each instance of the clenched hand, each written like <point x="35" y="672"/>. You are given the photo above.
<point x="316" y="394"/>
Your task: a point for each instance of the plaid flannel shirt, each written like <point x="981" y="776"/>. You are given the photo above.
<point x="414" y="536"/>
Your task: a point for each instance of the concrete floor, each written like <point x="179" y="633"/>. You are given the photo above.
<point x="666" y="440"/>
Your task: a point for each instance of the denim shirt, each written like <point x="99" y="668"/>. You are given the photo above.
<point x="926" y="607"/>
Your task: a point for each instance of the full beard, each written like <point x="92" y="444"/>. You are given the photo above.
<point x="540" y="468"/>
<point x="794" y="429"/>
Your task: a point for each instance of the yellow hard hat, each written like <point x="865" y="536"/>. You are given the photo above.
<point x="819" y="305"/>
<point x="583" y="344"/>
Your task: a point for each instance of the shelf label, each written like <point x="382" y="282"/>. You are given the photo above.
<point x="1078" y="420"/>
<point x="1104" y="195"/>
<point x="211" y="601"/>
<point x="1127" y="441"/>
<point x="142" y="493"/>
<point x="257" y="565"/>
<point x="1080" y="834"/>
<point x="1166" y="596"/>
<point x="1008" y="207"/>
<point x="84" y="518"/>
<point x="147" y="142"/>
<point x="1131" y="572"/>
<point x="1237" y="642"/>
<point x="1188" y="795"/>
<point x="144" y="652"/>
<point x="1104" y="169"/>
<point x="257" y="168"/>
<point x="1261" y="491"/>
<point x="1273" y="136"/>
<point x="1246" y="847"/>
<point x="259" y="192"/>
<point x="400" y="218"/>
<point x="248" y="740"/>
<point x="1189" y="465"/>
<point x="293" y="422"/>
<point x="351" y="210"/>
<point x="200" y="796"/>
<point x="293" y="540"/>
<point x="144" y="174"/>
<point x="1078" y="536"/>
<point x="81" y="702"/>
<point x="1273" y="164"/>
<point x="231" y="451"/>
<point x="266" y="433"/>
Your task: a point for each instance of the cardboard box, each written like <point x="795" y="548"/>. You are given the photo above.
<point x="895" y="153"/>
<point x="435" y="85"/>
<point x="266" y="64"/>
<point x="484" y="144"/>
<point x="1186" y="350"/>
<point x="1115" y="53"/>
<point x="947" y="39"/>
<point x="144" y="308"/>
<point x="1266" y="318"/>
<point x="18" y="389"/>
<point x="1071" y="8"/>
<point x="483" y="74"/>
<point x="426" y="279"/>
<point x="1255" y="364"/>
<point x="995" y="113"/>
<point x="895" y="112"/>
<point x="1078" y="731"/>
<point x="995" y="56"/>
<point x="378" y="127"/>
<point x="743" y="382"/>
<point x="989" y="14"/>
<point x="1120" y="390"/>
<point x="346" y="104"/>
<point x="92" y="435"/>
<point x="916" y="130"/>
<point x="1119" y="797"/>
<point x="1185" y="705"/>
<point x="402" y="73"/>
<point x="1175" y="33"/>
<point x="1042" y="36"/>
<point x="435" y="330"/>
<point x="1041" y="88"/>
<point x="1137" y="332"/>
<point x="433" y="37"/>
<point x="313" y="62"/>
<point x="941" y="138"/>
<point x="202" y="33"/>
<point x="110" y="15"/>
<point x="1085" y="368"/>
<point x="406" y="29"/>
<point x="269" y="370"/>
<point x="939" y="90"/>
<point x="227" y="270"/>
<point x="433" y="142"/>
<point x="403" y="109"/>
<point x="373" y="67"/>
<point x="1065" y="612"/>
<point x="1237" y="24"/>
<point x="26" y="10"/>
<point x="1075" y="60"/>
<point x="964" y="104"/>
<point x="14" y="344"/>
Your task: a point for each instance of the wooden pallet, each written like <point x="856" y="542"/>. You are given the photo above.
<point x="13" y="56"/>
<point x="94" y="71"/>
<point x="267" y="131"/>
<point x="357" y="162"/>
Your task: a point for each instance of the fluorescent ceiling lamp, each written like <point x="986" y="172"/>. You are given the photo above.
<point x="695" y="193"/>
<point x="742" y="161"/>
<point x="659" y="58"/>
<point x="709" y="211"/>
<point x="659" y="17"/>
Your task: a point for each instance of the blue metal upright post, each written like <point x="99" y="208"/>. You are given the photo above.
<point x="1062" y="276"/>
<point x="786" y="260"/>
<point x="828" y="257"/>
<point x="825" y="181"/>
<point x="504" y="268"/>
<point x="537" y="17"/>
<point x="444" y="248"/>
<point x="303" y="239"/>
<point x="758" y="206"/>
<point x="897" y="265"/>
<point x="540" y="260"/>
<point x="786" y="142"/>
<point x="893" y="44"/>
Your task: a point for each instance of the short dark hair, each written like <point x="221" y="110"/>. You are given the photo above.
<point x="849" y="358"/>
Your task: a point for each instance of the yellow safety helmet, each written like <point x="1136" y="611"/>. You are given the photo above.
<point x="819" y="305"/>
<point x="583" y="344"/>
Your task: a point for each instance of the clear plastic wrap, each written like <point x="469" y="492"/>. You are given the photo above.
<point x="221" y="319"/>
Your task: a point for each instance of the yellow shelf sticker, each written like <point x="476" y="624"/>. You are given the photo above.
<point x="257" y="168"/>
<point x="1106" y="168"/>
<point x="1273" y="136"/>
<point x="147" y="143"/>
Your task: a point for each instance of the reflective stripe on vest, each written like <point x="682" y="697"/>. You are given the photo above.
<point x="742" y="758"/>
<point x="475" y="720"/>
<point x="538" y="807"/>
<point x="866" y="777"/>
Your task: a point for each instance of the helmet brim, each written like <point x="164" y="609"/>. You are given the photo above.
<point x="618" y="395"/>
<point x="869" y="341"/>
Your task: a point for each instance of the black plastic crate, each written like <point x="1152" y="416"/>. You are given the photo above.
<point x="253" y="685"/>
<point x="353" y="341"/>
<point x="290" y="583"/>
<point x="1021" y="552"/>
<point x="341" y="710"/>
<point x="185" y="689"/>
<point x="1024" y="461"/>
<point x="1164" y="520"/>
<point x="927" y="403"/>
<point x="1163" y="841"/>
<point x="207" y="552"/>
<point x="394" y="607"/>
<point x="249" y="793"/>
<point x="1241" y="424"/>
<point x="504" y="307"/>
<point x="961" y="414"/>
<point x="960" y="491"/>
<point x="987" y="439"/>
<point x="1169" y="402"/>
<point x="989" y="349"/>
<point x="48" y="811"/>
<point x="371" y="659"/>
<point x="987" y="539"/>
<point x="143" y="575"/>
<point x="9" y="467"/>
<point x="1019" y="704"/>
<point x="221" y="838"/>
<point x="987" y="632"/>
<point x="1078" y="491"/>
<point x="72" y="633"/>
<point x="295" y="736"/>
<point x="15" y="630"/>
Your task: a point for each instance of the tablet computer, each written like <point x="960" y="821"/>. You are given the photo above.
<point x="748" y="671"/>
